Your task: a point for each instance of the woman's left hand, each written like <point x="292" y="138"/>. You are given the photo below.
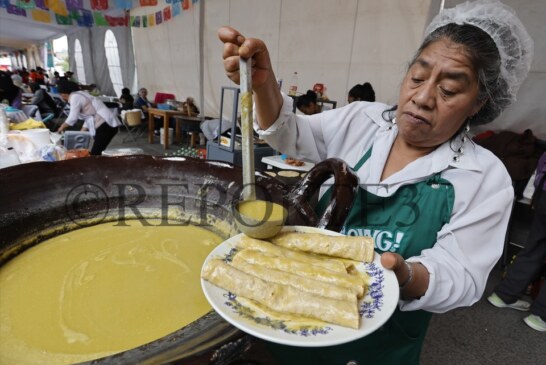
<point x="412" y="284"/>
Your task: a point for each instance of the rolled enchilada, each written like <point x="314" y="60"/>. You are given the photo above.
<point x="268" y="248"/>
<point x="352" y="282"/>
<point x="301" y="283"/>
<point x="360" y="248"/>
<point x="281" y="298"/>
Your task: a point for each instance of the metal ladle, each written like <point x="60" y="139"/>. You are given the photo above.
<point x="257" y="228"/>
<point x="245" y="70"/>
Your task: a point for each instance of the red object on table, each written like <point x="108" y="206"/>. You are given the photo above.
<point x="160" y="98"/>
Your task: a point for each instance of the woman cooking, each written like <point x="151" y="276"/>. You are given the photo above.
<point x="436" y="204"/>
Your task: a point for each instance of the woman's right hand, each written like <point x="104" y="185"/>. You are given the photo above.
<point x="235" y="46"/>
<point x="267" y="96"/>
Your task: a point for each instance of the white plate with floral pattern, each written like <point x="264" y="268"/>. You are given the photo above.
<point x="376" y="307"/>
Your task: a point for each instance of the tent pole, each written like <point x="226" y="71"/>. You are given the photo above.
<point x="201" y="59"/>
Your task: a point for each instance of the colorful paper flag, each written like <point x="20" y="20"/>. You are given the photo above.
<point x="4" y="3"/>
<point x="151" y="20"/>
<point x="63" y="19"/>
<point x="144" y="21"/>
<point x="15" y="10"/>
<point x="167" y="13"/>
<point x="116" y="21"/>
<point x="99" y="5"/>
<point x="26" y="4"/>
<point x="123" y="4"/>
<point x="158" y="17"/>
<point x="135" y="21"/>
<point x="148" y="3"/>
<point x="99" y="19"/>
<point x="176" y="9"/>
<point x="186" y="4"/>
<point x="74" y="4"/>
<point x="42" y="4"/>
<point x="83" y="17"/>
<point x="41" y="16"/>
<point x="59" y="8"/>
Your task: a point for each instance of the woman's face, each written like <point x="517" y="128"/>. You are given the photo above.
<point x="143" y="93"/>
<point x="438" y="94"/>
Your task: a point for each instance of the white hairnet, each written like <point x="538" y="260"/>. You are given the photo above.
<point x="500" y="22"/>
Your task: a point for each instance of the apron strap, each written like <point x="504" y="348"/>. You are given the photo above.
<point x="363" y="159"/>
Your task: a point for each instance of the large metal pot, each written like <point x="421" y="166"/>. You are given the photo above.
<point x="41" y="200"/>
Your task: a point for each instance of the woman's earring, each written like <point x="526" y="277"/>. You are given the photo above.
<point x="459" y="151"/>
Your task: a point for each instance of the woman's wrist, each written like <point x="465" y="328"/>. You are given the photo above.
<point x="409" y="278"/>
<point x="268" y="100"/>
<point x="416" y="284"/>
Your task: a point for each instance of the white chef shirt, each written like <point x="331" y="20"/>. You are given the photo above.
<point x="91" y="110"/>
<point x="469" y="245"/>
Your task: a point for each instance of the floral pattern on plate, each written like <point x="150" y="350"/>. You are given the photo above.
<point x="367" y="309"/>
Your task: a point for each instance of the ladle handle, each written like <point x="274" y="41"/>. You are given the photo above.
<point x="342" y="195"/>
<point x="247" y="143"/>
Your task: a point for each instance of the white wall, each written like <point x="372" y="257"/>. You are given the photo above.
<point x="336" y="42"/>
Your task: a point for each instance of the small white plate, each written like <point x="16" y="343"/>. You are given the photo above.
<point x="376" y="306"/>
<point x="278" y="162"/>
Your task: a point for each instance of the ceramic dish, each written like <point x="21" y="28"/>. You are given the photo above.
<point x="376" y="306"/>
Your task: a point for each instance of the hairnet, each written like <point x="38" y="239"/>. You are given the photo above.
<point x="500" y="22"/>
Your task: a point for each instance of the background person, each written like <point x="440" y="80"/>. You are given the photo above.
<point x="69" y="75"/>
<point x="45" y="103"/>
<point x="361" y="92"/>
<point x="53" y="81"/>
<point x="307" y="103"/>
<point x="142" y="101"/>
<point x="98" y="119"/>
<point x="8" y="90"/>
<point x="144" y="104"/>
<point x="447" y="198"/>
<point x="22" y="88"/>
<point x="529" y="263"/>
<point x="190" y="108"/>
<point x="126" y="99"/>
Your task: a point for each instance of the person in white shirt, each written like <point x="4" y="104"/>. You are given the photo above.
<point x="436" y="204"/>
<point x="98" y="119"/>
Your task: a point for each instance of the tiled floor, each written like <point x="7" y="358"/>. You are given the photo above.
<point x="124" y="140"/>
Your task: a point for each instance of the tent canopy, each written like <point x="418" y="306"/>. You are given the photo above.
<point x="18" y="32"/>
<point x="337" y="43"/>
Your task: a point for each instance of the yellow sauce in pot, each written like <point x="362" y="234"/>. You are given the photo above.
<point x="101" y="290"/>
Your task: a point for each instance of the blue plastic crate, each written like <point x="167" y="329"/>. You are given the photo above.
<point x="164" y="106"/>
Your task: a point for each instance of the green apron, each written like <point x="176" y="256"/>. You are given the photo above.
<point x="406" y="222"/>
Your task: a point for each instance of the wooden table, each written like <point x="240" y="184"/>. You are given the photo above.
<point x="194" y="122"/>
<point x="166" y="115"/>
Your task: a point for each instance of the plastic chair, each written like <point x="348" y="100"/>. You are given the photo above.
<point x="132" y="121"/>
<point x="48" y="117"/>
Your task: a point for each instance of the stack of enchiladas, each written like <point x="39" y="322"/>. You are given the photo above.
<point x="309" y="275"/>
